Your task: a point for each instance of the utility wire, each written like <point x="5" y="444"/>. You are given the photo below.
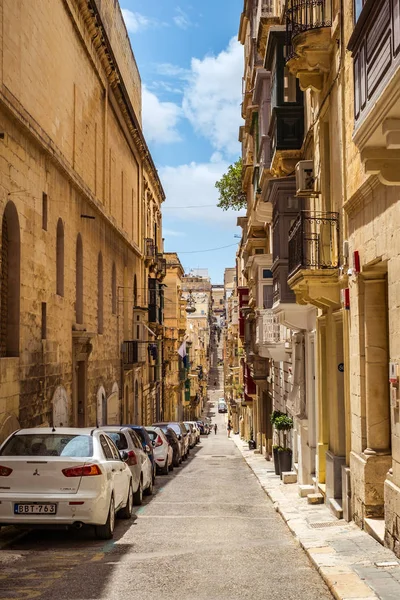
<point x="192" y="206"/>
<point x="208" y="249"/>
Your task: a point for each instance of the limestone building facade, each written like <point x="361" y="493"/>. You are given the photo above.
<point x="329" y="114"/>
<point x="76" y="178"/>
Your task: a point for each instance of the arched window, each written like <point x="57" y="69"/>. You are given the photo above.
<point x="135" y="298"/>
<point x="79" y="280"/>
<point x="100" y="294"/>
<point x="10" y="282"/>
<point x="60" y="258"/>
<point x="114" y="290"/>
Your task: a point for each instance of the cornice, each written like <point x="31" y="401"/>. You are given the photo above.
<point x="90" y="14"/>
<point x="362" y="196"/>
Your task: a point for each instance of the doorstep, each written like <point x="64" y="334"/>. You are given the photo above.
<point x="376" y="528"/>
<point x="351" y="562"/>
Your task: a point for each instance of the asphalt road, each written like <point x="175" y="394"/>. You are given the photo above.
<point x="209" y="532"/>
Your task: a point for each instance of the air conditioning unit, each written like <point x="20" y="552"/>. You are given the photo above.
<point x="305" y="178"/>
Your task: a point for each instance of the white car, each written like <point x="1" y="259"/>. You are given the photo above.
<point x="191" y="433"/>
<point x="196" y="431"/>
<point x="163" y="453"/>
<point x="131" y="450"/>
<point x="64" y="476"/>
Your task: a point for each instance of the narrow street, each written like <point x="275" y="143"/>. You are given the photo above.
<point x="209" y="532"/>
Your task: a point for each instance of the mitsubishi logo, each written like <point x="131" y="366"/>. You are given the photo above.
<point x="36" y="472"/>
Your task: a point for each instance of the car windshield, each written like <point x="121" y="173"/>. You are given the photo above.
<point x="118" y="438"/>
<point x="50" y="444"/>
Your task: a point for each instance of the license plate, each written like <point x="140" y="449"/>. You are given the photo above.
<point x="35" y="509"/>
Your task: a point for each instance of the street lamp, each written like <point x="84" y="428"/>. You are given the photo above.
<point x="191" y="305"/>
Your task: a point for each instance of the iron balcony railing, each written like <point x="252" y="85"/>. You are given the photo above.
<point x="150" y="248"/>
<point x="314" y="241"/>
<point x="133" y="351"/>
<point x="304" y="15"/>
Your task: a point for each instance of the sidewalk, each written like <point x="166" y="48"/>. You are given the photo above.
<point x="352" y="563"/>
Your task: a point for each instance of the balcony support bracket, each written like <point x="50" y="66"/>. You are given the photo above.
<point x="385" y="164"/>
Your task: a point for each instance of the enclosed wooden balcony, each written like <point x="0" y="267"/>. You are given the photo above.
<point x="314" y="258"/>
<point x="309" y="42"/>
<point x="375" y="47"/>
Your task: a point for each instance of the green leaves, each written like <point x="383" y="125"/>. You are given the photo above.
<point x="231" y="195"/>
<point x="283" y="423"/>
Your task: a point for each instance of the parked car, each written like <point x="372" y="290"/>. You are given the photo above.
<point x="191" y="434"/>
<point x="201" y="427"/>
<point x="131" y="449"/>
<point x="196" y="430"/>
<point x="163" y="452"/>
<point x="174" y="443"/>
<point x="182" y="435"/>
<point x="146" y="444"/>
<point x="64" y="476"/>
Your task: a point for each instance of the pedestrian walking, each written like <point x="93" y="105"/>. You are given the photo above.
<point x="215" y="428"/>
<point x="229" y="428"/>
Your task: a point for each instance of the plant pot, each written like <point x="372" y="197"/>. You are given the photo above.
<point x="276" y="461"/>
<point x="252" y="445"/>
<point x="285" y="461"/>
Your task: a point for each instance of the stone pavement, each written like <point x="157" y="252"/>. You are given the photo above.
<point x="352" y="563"/>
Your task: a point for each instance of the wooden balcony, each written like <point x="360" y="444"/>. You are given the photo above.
<point x="308" y="41"/>
<point x="375" y="47"/>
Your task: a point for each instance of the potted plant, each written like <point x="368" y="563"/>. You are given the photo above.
<point x="275" y="448"/>
<point x="284" y="424"/>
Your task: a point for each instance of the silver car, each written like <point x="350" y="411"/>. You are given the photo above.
<point x="131" y="449"/>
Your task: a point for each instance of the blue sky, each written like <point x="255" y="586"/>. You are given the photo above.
<point x="191" y="66"/>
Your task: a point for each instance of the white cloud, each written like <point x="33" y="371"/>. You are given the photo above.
<point x="212" y="99"/>
<point x="173" y="233"/>
<point x="134" y="21"/>
<point x="194" y="185"/>
<point x="181" y="19"/>
<point x="170" y="70"/>
<point x="160" y="119"/>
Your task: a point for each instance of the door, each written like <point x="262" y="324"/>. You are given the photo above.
<point x="81" y="392"/>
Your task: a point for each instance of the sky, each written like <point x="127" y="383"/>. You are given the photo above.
<point x="191" y="66"/>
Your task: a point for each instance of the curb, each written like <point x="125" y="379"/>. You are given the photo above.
<point x="342" y="582"/>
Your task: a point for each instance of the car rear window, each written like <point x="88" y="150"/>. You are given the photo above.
<point x="175" y="427"/>
<point x="152" y="435"/>
<point x="118" y="438"/>
<point x="50" y="444"/>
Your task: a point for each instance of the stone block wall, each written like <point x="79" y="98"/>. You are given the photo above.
<point x="66" y="137"/>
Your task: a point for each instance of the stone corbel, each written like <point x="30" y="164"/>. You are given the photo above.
<point x="385" y="164"/>
<point x="310" y="79"/>
<point x="391" y="130"/>
<point x="312" y="58"/>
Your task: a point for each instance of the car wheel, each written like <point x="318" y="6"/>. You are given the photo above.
<point x="106" y="531"/>
<point x="171" y="466"/>
<point x="138" y="495"/>
<point x="165" y="469"/>
<point x="126" y="512"/>
<point x="149" y="490"/>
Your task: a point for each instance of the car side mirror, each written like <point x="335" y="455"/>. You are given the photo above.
<point x="153" y="443"/>
<point x="179" y="437"/>
<point x="147" y="449"/>
<point x="124" y="455"/>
